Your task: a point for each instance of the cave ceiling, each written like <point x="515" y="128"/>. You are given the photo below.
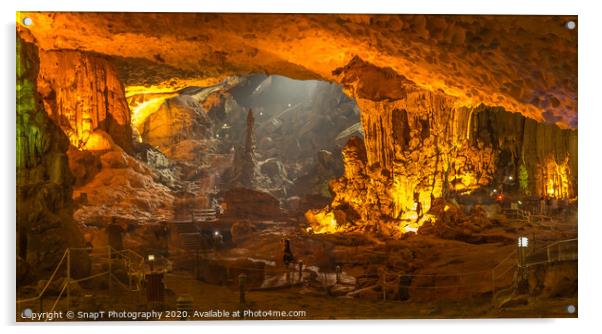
<point x="525" y="64"/>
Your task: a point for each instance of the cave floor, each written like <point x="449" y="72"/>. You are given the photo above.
<point x="358" y="255"/>
<point x="209" y="297"/>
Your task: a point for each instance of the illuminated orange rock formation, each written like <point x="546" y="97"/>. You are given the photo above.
<point x="419" y="146"/>
<point x="555" y="178"/>
<point x="525" y="64"/>
<point x="448" y="103"/>
<point x="123" y="187"/>
<point x="177" y="119"/>
<point x="84" y="96"/>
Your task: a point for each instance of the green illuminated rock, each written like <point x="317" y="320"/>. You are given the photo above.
<point x="45" y="227"/>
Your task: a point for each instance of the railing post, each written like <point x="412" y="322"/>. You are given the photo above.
<point x="110" y="271"/>
<point x="288" y="274"/>
<point x="68" y="277"/>
<point x="242" y="283"/>
<point x="196" y="263"/>
<point x="493" y="287"/>
<point x="129" y="266"/>
<point x="383" y="282"/>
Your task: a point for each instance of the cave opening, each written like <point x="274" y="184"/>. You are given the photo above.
<point x="300" y="127"/>
<point x="202" y="139"/>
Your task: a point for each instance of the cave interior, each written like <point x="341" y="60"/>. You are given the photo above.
<point x="325" y="158"/>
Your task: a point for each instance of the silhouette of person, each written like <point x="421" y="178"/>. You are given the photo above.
<point x="288" y="257"/>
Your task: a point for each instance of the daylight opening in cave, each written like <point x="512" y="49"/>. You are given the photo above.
<point x="280" y="139"/>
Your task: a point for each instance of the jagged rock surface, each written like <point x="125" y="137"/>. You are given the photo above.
<point x="83" y="95"/>
<point x="419" y="146"/>
<point x="247" y="203"/>
<point x="524" y="64"/>
<point x="45" y="227"/>
<point x="245" y="170"/>
<point x="178" y="119"/>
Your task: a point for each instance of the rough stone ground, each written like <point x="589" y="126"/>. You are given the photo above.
<point x="211" y="297"/>
<point x="432" y="255"/>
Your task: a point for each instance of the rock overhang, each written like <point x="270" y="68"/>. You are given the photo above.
<point x="525" y="64"/>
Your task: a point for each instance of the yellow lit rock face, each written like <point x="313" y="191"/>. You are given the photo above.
<point x="167" y="120"/>
<point x="556" y="178"/>
<point x="322" y="222"/>
<point x="98" y="141"/>
<point x="422" y="83"/>
<point x="81" y="94"/>
<point x="420" y="148"/>
<point x="141" y="111"/>
<point x="170" y="86"/>
<point x="525" y="64"/>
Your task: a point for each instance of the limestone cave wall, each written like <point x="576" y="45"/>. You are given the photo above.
<point x="419" y="81"/>
<point x="541" y="157"/>
<point x="420" y="146"/>
<point x="526" y="64"/>
<point x="45" y="226"/>
<point x="84" y="96"/>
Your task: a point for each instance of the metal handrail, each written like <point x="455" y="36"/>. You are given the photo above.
<point x="56" y="269"/>
<point x="140" y="264"/>
<point x="58" y="298"/>
<point x="67" y="255"/>
<point x="562" y="242"/>
<point x="141" y="261"/>
<point x="509" y="256"/>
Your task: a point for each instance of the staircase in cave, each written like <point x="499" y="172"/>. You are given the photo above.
<point x="188" y="235"/>
<point x="185" y="227"/>
<point x="197" y="215"/>
<point x="204" y="215"/>
<point x="201" y="214"/>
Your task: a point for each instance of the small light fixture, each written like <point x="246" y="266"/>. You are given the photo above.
<point x="510" y="178"/>
<point x="151" y="262"/>
<point x="520" y="203"/>
<point x="523" y="242"/>
<point x="494" y="190"/>
<point x="216" y="233"/>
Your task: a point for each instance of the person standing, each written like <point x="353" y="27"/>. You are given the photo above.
<point x="287" y="257"/>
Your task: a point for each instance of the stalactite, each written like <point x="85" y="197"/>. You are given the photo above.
<point x="83" y="95"/>
<point x="466" y="148"/>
